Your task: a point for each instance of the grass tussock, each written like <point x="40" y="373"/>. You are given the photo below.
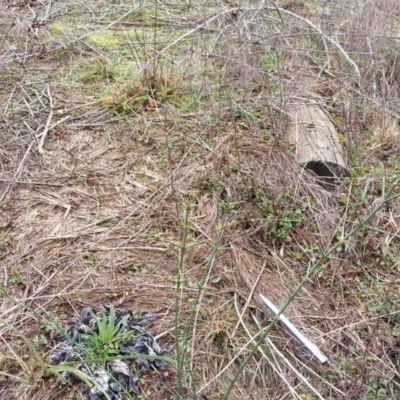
<point x="143" y="164"/>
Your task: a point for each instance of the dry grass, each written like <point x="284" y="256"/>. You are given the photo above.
<point x="105" y="139"/>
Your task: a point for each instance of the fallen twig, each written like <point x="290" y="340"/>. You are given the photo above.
<point x="47" y="127"/>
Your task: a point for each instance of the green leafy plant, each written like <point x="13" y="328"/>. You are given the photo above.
<point x="107" y="339"/>
<point x="270" y="63"/>
<point x="139" y="269"/>
<point x="17" y="277"/>
<point x="281" y="213"/>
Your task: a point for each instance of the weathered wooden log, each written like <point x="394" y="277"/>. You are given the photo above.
<point x="317" y="142"/>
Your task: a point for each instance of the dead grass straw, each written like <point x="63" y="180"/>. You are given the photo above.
<point x="108" y="133"/>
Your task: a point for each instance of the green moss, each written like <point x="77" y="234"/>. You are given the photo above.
<point x="115" y="39"/>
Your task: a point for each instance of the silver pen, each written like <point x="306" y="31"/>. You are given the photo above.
<point x="311" y="347"/>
